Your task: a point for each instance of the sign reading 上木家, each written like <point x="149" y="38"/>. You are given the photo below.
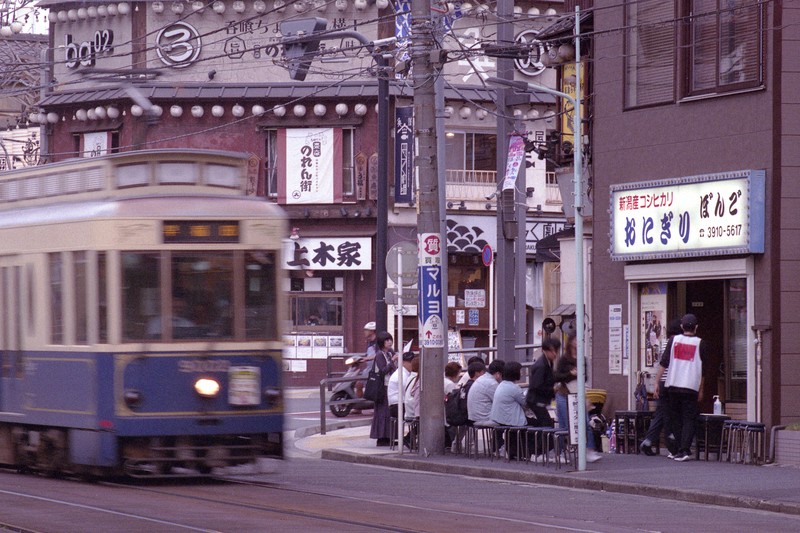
<point x="328" y="253"/>
<point x="712" y="214"/>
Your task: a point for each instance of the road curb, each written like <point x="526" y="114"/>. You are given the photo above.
<point x="565" y="481"/>
<point x="307" y="431"/>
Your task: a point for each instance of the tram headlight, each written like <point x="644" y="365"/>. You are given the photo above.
<point x="207" y="388"/>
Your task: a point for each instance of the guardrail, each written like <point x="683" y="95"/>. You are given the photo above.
<point x="323" y="400"/>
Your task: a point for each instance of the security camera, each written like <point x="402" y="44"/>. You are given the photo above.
<point x="490" y="196"/>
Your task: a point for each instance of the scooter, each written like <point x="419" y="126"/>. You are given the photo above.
<point x="358" y="370"/>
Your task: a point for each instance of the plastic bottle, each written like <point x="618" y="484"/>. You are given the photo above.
<point x="717" y="406"/>
<point x="612" y="442"/>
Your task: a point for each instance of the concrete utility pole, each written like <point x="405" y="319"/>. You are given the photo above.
<point x="510" y="216"/>
<point x="432" y="245"/>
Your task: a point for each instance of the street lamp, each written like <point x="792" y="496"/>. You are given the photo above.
<point x="522" y="86"/>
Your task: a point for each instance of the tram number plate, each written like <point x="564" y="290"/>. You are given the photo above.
<point x="244" y="385"/>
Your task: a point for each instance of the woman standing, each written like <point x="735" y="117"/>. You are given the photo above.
<point x="566" y="375"/>
<point x="384" y="362"/>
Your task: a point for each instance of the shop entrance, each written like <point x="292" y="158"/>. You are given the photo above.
<point x="705" y="299"/>
<point x="721" y="309"/>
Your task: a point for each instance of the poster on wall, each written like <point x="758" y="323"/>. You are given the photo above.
<point x="615" y="339"/>
<point x="320" y="347"/>
<point x="626" y="350"/>
<point x="335" y="344"/>
<point x="652" y="324"/>
<point x="454" y="343"/>
<point x="289" y="346"/>
<point x="312" y="166"/>
<point x="304" y="348"/>
<point x="95" y="144"/>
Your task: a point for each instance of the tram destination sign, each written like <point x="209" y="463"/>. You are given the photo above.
<point x="694" y="216"/>
<point x="200" y="231"/>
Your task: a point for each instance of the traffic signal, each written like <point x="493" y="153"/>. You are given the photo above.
<point x="298" y="48"/>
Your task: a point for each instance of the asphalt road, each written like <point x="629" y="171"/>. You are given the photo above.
<point x="309" y="494"/>
<point x="315" y="495"/>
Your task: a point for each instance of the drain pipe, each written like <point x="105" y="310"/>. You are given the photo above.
<point x="775" y="429"/>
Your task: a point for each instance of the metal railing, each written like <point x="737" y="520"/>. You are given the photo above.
<point x="324" y="403"/>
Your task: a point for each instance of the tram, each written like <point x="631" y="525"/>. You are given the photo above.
<point x="140" y="305"/>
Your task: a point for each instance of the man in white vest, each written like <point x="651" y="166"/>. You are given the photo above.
<point x="684" y="355"/>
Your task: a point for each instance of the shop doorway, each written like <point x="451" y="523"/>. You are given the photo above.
<point x="706" y="300"/>
<point x="721" y="309"/>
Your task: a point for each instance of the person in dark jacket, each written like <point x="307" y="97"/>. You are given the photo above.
<point x="541" y="383"/>
<point x="566" y="376"/>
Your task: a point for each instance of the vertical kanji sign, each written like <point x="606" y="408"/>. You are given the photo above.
<point x="431" y="326"/>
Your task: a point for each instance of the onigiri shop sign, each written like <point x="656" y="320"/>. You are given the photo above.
<point x="705" y="215"/>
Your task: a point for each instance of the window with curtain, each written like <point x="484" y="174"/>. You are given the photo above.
<point x="650" y="46"/>
<point x="720" y="42"/>
<point x="724" y="48"/>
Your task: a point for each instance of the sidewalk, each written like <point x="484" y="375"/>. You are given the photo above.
<point x="768" y="488"/>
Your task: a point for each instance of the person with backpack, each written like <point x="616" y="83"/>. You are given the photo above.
<point x="456" y="402"/>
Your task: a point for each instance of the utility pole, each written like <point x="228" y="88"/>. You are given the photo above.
<point x="510" y="219"/>
<point x="432" y="245"/>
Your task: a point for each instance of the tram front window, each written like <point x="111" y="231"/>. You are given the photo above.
<point x="198" y="297"/>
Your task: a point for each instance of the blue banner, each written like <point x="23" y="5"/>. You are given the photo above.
<point x="404" y="155"/>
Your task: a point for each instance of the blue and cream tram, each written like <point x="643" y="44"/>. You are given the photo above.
<point x="140" y="296"/>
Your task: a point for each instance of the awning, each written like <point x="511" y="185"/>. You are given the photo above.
<point x="279" y="91"/>
<point x="548" y="249"/>
<point x="563" y="310"/>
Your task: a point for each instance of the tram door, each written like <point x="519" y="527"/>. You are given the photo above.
<point x="10" y="334"/>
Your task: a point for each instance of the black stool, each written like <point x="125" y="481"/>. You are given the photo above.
<point x="710" y="432"/>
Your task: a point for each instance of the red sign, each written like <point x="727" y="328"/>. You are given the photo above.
<point x="432" y="245"/>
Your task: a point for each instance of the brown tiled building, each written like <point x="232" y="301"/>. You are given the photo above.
<point x="695" y="173"/>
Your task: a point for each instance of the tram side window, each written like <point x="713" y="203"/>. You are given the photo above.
<point x="102" y="314"/>
<point x="56" y="299"/>
<point x="261" y="320"/>
<point x="81" y="329"/>
<point x="140" y="293"/>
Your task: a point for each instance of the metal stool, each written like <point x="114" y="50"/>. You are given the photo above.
<point x="487" y="434"/>
<point x="728" y="438"/>
<point x="752" y="442"/>
<point x="710" y="433"/>
<point x="544" y="440"/>
<point x="519" y="436"/>
<point x="413" y="433"/>
<point x="460" y="443"/>
<point x="563" y="447"/>
<point x="631" y="427"/>
<point x="413" y="428"/>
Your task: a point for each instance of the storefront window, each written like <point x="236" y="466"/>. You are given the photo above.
<point x="316" y="301"/>
<point x="465" y="276"/>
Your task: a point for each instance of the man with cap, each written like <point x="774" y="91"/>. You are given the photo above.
<point x="684" y="355"/>
<point x="369" y="338"/>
